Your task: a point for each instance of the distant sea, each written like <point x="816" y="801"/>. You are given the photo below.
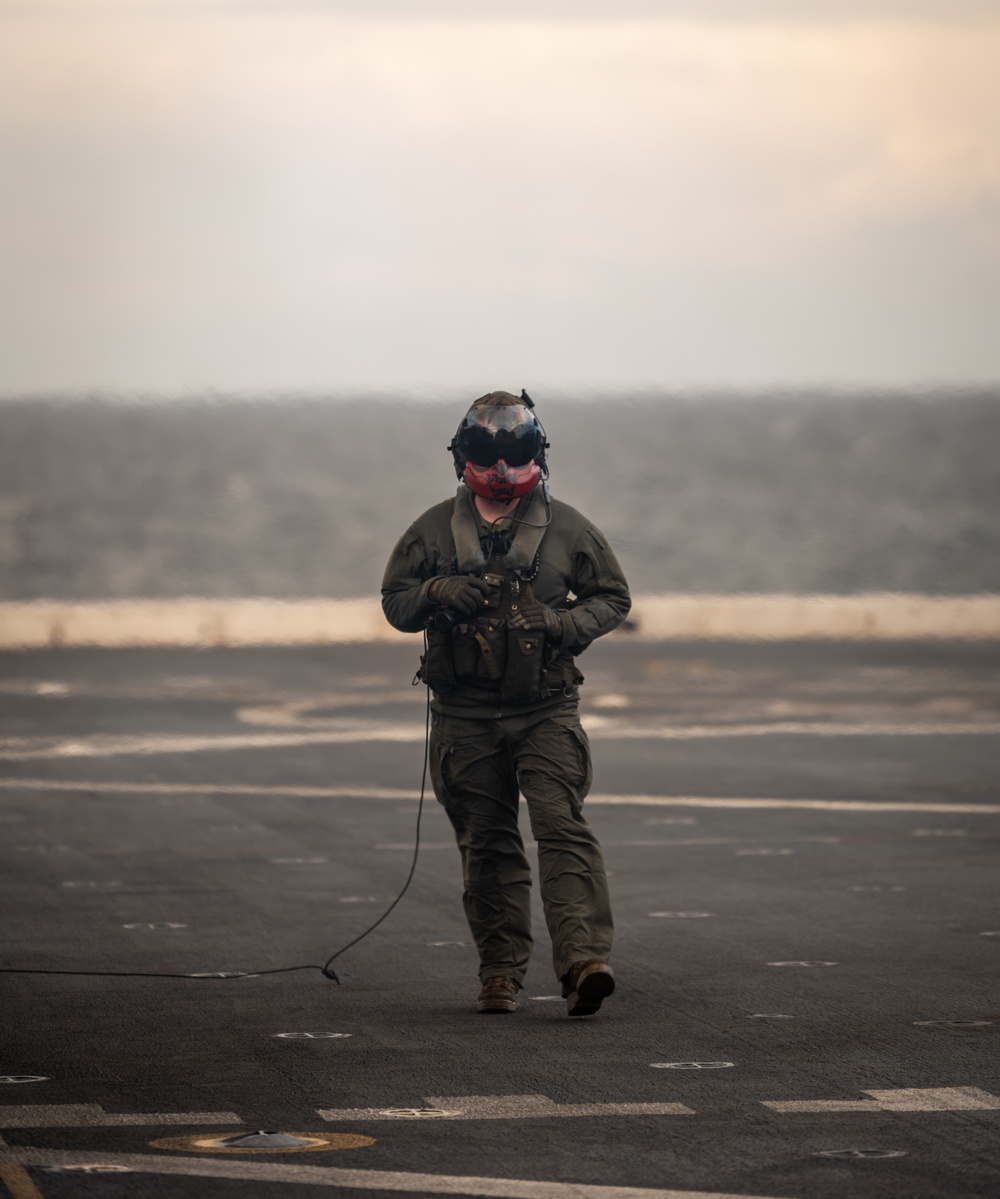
<point x="291" y="496"/>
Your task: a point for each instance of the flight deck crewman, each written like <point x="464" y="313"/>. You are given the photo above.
<point x="510" y="587"/>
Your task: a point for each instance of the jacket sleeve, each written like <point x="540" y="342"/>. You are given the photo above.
<point x="405" y="584"/>
<point x="602" y="595"/>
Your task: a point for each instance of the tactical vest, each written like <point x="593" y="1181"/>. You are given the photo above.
<point x="485" y="653"/>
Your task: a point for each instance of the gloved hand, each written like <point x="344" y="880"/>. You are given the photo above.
<point x="539" y="617"/>
<point x="464" y="593"/>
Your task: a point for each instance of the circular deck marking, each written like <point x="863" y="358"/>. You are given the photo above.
<point x="418" y="1113"/>
<point x="311" y="1036"/>
<point x="692" y="1065"/>
<point x="682" y="915"/>
<point x="93" y="1168"/>
<point x="769" y="1016"/>
<point x="860" y="1154"/>
<point x="313" y="1142"/>
<point x="156" y="924"/>
<point x="953" y="1023"/>
<point x="18" y="1078"/>
<point x="805" y="964"/>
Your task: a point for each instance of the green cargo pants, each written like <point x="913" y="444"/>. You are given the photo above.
<point x="478" y="767"/>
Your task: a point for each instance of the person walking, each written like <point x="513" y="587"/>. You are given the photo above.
<point x="510" y="586"/>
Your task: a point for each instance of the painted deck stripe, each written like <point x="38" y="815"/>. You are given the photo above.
<point x="16" y="749"/>
<point x="291" y="791"/>
<point x="364" y="1180"/>
<point x="507" y="1107"/>
<point x="92" y="1115"/>
<point x="18" y="1182"/>
<point x="907" y="1099"/>
<point x="236" y="621"/>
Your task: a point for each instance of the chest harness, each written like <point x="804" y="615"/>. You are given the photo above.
<point x="484" y="652"/>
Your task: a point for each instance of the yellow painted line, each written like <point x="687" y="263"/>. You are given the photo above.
<point x="18" y="1183"/>
<point x="259" y="1171"/>
<point x="292" y="791"/>
<point x="241" y="621"/>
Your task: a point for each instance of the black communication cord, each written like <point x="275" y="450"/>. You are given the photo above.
<point x="325" y="969"/>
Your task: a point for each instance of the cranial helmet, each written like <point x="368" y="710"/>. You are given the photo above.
<point x="499" y="449"/>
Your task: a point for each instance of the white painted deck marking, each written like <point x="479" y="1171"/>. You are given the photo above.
<point x="993" y="932"/>
<point x="547" y="998"/>
<point x="408" y="845"/>
<point x="157" y="924"/>
<point x="312" y="1036"/>
<point x="91" y="1115"/>
<point x="875" y="888"/>
<point x="96" y="1168"/>
<point x="102" y="745"/>
<point x="362" y="1180"/>
<point x="769" y="1016"/>
<point x="14" y="1079"/>
<point x="446" y="944"/>
<point x="860" y="1154"/>
<point x="692" y="1065"/>
<point x="507" y="1107"/>
<point x="682" y="915"/>
<point x="940" y="832"/>
<point x="298" y="861"/>
<point x="419" y="1113"/>
<point x="807" y="965"/>
<point x="291" y="790"/>
<point x="953" y="1023"/>
<point x="907" y="1099"/>
<point x="763" y="853"/>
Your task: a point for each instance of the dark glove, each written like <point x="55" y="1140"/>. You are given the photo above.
<point x="464" y="593"/>
<point x="539" y="617"/>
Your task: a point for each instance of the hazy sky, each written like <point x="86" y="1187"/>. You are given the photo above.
<point x="260" y="194"/>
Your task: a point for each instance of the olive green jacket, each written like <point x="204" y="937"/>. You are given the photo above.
<point x="578" y="573"/>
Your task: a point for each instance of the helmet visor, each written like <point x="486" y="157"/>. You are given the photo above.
<point x="504" y="432"/>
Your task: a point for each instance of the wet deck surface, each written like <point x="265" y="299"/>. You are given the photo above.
<point x="802" y="843"/>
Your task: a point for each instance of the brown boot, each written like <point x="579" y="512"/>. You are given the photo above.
<point x="586" y="985"/>
<point x="498" y="995"/>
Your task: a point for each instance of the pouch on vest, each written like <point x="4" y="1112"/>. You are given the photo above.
<point x="560" y="672"/>
<point x="437" y="668"/>
<point x="525" y="654"/>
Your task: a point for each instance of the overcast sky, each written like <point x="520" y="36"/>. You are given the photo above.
<point x="257" y="195"/>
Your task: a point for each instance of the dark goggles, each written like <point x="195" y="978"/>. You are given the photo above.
<point x="484" y="448"/>
<point x="492" y="432"/>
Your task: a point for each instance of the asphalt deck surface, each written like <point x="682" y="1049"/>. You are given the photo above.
<point x="824" y="973"/>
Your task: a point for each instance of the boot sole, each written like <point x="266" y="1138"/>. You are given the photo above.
<point x="493" y="1007"/>
<point x="592" y="992"/>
